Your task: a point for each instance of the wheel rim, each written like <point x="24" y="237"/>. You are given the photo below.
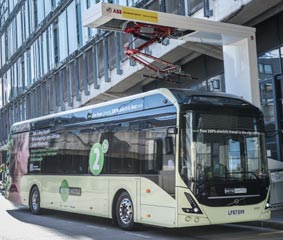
<point x="35" y="200"/>
<point x="126" y="210"/>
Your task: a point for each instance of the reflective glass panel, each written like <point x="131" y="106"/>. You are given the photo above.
<point x="72" y="30"/>
<point x="63" y="40"/>
<point x="269" y="64"/>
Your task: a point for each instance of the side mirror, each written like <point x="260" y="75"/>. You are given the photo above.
<point x="171" y="130"/>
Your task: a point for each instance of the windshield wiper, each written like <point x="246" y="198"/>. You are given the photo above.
<point x="253" y="173"/>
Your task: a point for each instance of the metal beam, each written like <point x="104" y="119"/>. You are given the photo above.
<point x="238" y="42"/>
<point x="209" y="50"/>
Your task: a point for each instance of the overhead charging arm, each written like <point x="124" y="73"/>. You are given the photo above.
<point x="151" y="34"/>
<point x="238" y="42"/>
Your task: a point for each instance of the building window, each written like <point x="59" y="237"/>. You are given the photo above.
<point x="19" y="30"/>
<point x="63" y="36"/>
<point x="47" y="7"/>
<point x="85" y="35"/>
<point x="51" y="95"/>
<point x="53" y="4"/>
<point x="3" y="49"/>
<point x="123" y="2"/>
<point x="23" y="19"/>
<point x="57" y="89"/>
<point x="73" y="74"/>
<point x="40" y="11"/>
<point x="27" y="68"/>
<point x="19" y="76"/>
<point x="7" y="86"/>
<point x="176" y="7"/>
<point x="79" y="24"/>
<point x="152" y="5"/>
<point x="269" y="64"/>
<point x="56" y="44"/>
<point x="44" y="53"/>
<point x="72" y="32"/>
<point x="27" y="19"/>
<point x="194" y="5"/>
<point x="11" y="6"/>
<point x="35" y="11"/>
<point x="33" y="63"/>
<point x="14" y="81"/>
<point x="64" y="80"/>
<point x="51" y="50"/>
<point x="1" y="92"/>
<point x="9" y="42"/>
<point x="90" y="73"/>
<point x="92" y="31"/>
<point x="101" y="61"/>
<point x="40" y="56"/>
<point x="81" y="71"/>
<point x="111" y="48"/>
<point x="266" y="95"/>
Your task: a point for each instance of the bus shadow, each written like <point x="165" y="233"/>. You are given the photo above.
<point x="78" y="225"/>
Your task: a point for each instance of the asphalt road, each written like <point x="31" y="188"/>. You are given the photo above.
<point x="20" y="224"/>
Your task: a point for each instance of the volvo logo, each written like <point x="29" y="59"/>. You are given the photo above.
<point x="236" y="201"/>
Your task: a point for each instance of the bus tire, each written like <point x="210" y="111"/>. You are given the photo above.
<point x="34" y="201"/>
<point x="125" y="211"/>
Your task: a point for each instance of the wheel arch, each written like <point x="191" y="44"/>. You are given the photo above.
<point x="32" y="186"/>
<point x="114" y="201"/>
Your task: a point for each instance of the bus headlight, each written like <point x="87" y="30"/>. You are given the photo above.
<point x="196" y="210"/>
<point x="194" y="206"/>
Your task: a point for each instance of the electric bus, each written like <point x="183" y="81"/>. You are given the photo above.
<point x="167" y="157"/>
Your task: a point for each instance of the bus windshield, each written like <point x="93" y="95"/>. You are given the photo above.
<point x="221" y="153"/>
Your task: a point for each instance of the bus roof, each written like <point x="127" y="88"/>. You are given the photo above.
<point x="147" y="100"/>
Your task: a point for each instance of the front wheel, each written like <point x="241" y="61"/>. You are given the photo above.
<point x="34" y="201"/>
<point x="125" y="211"/>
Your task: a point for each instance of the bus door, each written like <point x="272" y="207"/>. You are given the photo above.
<point x="158" y="178"/>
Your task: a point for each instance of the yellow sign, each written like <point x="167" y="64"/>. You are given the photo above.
<point x="139" y="14"/>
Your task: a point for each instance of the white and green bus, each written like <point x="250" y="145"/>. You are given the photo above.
<point x="167" y="157"/>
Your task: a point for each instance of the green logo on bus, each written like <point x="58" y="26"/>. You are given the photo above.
<point x="64" y="190"/>
<point x="96" y="157"/>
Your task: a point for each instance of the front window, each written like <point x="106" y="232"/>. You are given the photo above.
<point x="223" y="154"/>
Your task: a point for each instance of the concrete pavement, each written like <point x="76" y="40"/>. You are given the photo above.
<point x="275" y="222"/>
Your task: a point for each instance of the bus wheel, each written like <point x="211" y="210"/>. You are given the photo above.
<point x="125" y="211"/>
<point x="34" y="201"/>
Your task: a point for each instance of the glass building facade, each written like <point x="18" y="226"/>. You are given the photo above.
<point x="49" y="62"/>
<point x="270" y="67"/>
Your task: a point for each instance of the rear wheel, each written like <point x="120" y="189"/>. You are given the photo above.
<point x="125" y="211"/>
<point x="34" y="201"/>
